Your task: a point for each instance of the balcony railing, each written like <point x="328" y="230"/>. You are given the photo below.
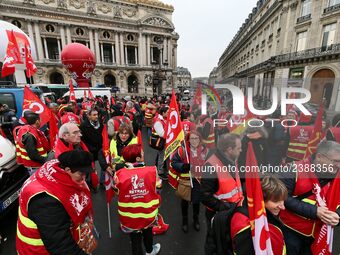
<point x="304" y="18"/>
<point x="310" y="53"/>
<point x="331" y="8"/>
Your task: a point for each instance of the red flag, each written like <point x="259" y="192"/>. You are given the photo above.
<point x="53" y="130"/>
<point x="197" y="98"/>
<point x="33" y="103"/>
<point x="90" y="95"/>
<point x="113" y="102"/>
<point x="31" y="68"/>
<point x="12" y="56"/>
<point x="108" y="178"/>
<point x="174" y="131"/>
<point x="72" y="94"/>
<point x="323" y="242"/>
<point x="316" y="135"/>
<point x="256" y="208"/>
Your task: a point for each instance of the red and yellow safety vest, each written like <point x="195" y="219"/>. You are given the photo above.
<point x="336" y="133"/>
<point x="305" y="182"/>
<point x="240" y="223"/>
<point x="210" y="140"/>
<point x="43" y="146"/>
<point x="138" y="200"/>
<point x="76" y="201"/>
<point x="299" y="138"/>
<point x="229" y="189"/>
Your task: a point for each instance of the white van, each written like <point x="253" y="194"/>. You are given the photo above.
<point x="79" y="92"/>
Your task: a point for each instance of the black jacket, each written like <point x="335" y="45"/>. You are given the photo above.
<point x="92" y="137"/>
<point x="53" y="224"/>
<point x="210" y="185"/>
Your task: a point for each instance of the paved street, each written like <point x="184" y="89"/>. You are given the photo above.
<point x="173" y="242"/>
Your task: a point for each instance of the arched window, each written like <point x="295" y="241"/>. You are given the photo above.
<point x="109" y="80"/>
<point x="132" y="84"/>
<point x="56" y="78"/>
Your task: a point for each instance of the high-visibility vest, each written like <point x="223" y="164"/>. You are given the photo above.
<point x="114" y="151"/>
<point x="174" y="176"/>
<point x="229" y="189"/>
<point x="336" y="133"/>
<point x="304" y="182"/>
<point x="240" y="223"/>
<point x="43" y="146"/>
<point x="299" y="138"/>
<point x="138" y="200"/>
<point x="28" y="239"/>
<point x="210" y="140"/>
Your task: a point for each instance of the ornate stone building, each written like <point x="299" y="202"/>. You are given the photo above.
<point x="286" y="43"/>
<point x="134" y="41"/>
<point x="183" y="79"/>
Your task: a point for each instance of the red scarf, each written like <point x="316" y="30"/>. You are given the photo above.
<point x="61" y="147"/>
<point x="75" y="197"/>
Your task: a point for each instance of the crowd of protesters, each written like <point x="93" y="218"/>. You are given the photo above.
<point x="292" y="201"/>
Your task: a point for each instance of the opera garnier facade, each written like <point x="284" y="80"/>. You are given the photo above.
<point x="134" y="41"/>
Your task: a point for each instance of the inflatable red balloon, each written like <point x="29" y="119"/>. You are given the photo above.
<point x="80" y="61"/>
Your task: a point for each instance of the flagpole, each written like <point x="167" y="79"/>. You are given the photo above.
<point x="108" y="218"/>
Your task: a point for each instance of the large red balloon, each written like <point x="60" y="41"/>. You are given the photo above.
<point x="80" y="61"/>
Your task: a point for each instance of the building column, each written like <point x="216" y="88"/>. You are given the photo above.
<point x="140" y="49"/>
<point x="148" y="61"/>
<point x="126" y="55"/>
<point x="102" y="52"/>
<point x="68" y="34"/>
<point x="113" y="53"/>
<point x="59" y="48"/>
<point x="30" y="30"/>
<point x="117" y="49"/>
<point x="169" y="52"/>
<point x="46" y="51"/>
<point x="91" y="40"/>
<point x="62" y="36"/>
<point x="121" y="44"/>
<point x="165" y="49"/>
<point x="96" y="43"/>
<point x="136" y="55"/>
<point x="38" y="41"/>
<point x="174" y="66"/>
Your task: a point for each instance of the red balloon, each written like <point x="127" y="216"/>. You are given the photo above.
<point x="80" y="61"/>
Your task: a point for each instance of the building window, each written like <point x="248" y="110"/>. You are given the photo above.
<point x="107" y="53"/>
<point x="333" y="2"/>
<point x="16" y="23"/>
<point x="155" y="55"/>
<point x="80" y="31"/>
<point x="50" y="28"/>
<point x="301" y="41"/>
<point x="328" y="36"/>
<point x="52" y="48"/>
<point x="130" y="38"/>
<point x="106" y="35"/>
<point x="131" y="55"/>
<point x="306" y="8"/>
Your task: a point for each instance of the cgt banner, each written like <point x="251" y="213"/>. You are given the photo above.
<point x="174" y="131"/>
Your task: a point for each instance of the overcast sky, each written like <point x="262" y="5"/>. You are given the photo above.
<point x="205" y="28"/>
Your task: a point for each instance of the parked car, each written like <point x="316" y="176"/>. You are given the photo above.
<point x="12" y="177"/>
